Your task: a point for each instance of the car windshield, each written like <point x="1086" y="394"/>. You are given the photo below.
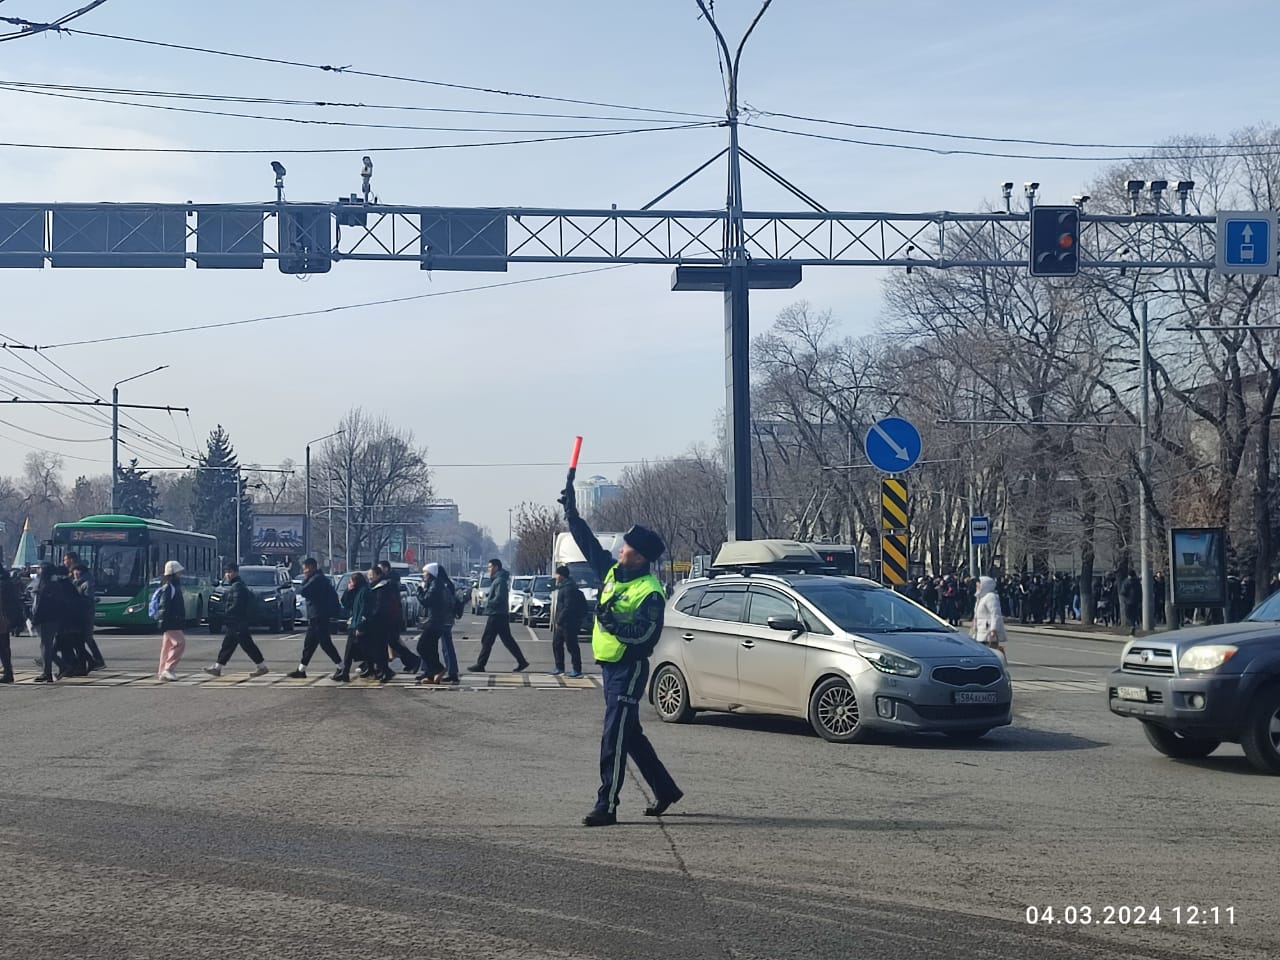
<point x="584" y="573"/>
<point x="1268" y="609"/>
<point x="867" y="609"/>
<point x="541" y="587"/>
<point x="258" y="578"/>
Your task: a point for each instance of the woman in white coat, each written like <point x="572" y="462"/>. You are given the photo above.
<point x="988" y="618"/>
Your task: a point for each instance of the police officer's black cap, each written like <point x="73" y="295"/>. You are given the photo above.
<point x="644" y="540"/>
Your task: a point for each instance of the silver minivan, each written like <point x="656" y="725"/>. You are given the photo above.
<point x="847" y="654"/>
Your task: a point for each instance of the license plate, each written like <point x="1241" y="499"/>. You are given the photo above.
<point x="1132" y="693"/>
<point x="975" y="696"/>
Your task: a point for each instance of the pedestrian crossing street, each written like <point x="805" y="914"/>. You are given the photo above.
<point x="238" y="680"/>
<point x="471" y="682"/>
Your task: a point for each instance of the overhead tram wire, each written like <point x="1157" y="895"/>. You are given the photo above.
<point x="87" y="415"/>
<point x="957" y="151"/>
<point x="304" y="121"/>
<point x="22" y="85"/>
<point x="161" y="443"/>
<point x="56" y="453"/>
<point x="351" y="71"/>
<point x="30" y="28"/>
<point x="1013" y="140"/>
<point x="297" y="151"/>
<point x="319" y="311"/>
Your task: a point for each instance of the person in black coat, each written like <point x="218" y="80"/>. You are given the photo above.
<point x="322" y="606"/>
<point x="237" y="611"/>
<point x="395" y="618"/>
<point x="571" y="608"/>
<point x="11" y="614"/>
<point x="51" y="609"/>
<point x="381" y="622"/>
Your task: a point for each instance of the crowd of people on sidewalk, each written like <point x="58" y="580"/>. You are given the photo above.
<point x="1056" y="597"/>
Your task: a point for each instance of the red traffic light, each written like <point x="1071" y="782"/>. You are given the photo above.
<point x="1066" y="241"/>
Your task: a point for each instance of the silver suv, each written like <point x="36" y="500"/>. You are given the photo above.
<point x="847" y="654"/>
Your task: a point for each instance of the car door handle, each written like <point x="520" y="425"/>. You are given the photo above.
<point x="748" y="644"/>
<point x="687" y="638"/>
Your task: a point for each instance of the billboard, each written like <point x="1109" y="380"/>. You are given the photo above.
<point x="279" y="533"/>
<point x="1198" y="566"/>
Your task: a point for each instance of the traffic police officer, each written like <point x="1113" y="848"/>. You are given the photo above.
<point x="628" y="623"/>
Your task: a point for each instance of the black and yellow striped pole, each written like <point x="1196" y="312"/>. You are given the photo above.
<point x="894" y="567"/>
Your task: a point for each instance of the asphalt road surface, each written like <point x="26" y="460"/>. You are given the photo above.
<point x="297" y="819"/>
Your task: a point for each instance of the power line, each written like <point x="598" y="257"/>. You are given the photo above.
<point x="205" y="151"/>
<point x="947" y="151"/>
<point x="56" y="453"/>
<point x="326" y="310"/>
<point x="200" y="111"/>
<point x="24" y="86"/>
<point x="329" y="68"/>
<point x="45" y="436"/>
<point x="1039" y="143"/>
<point x="31" y="28"/>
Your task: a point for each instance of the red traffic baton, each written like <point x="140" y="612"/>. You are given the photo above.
<point x="573" y="460"/>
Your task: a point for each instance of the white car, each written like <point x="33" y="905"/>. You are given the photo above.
<point x="519" y="587"/>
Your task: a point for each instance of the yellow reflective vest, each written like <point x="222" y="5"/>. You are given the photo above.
<point x="627" y="597"/>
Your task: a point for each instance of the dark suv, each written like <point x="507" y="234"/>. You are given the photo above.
<point x="275" y="604"/>
<point x="1206" y="685"/>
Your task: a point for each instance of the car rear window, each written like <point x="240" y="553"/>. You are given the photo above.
<point x="688" y="601"/>
<point x="723" y="603"/>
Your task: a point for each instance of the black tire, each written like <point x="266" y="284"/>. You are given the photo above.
<point x="834" y="712"/>
<point x="968" y="736"/>
<point x="1180" y="746"/>
<point x="671" y="695"/>
<point x="1261" y="735"/>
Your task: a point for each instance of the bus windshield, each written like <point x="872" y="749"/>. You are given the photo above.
<point x="117" y="571"/>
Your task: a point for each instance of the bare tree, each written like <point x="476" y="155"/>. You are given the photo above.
<point x="535" y="527"/>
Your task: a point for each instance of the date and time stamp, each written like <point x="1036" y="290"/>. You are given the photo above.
<point x="1135" y="915"/>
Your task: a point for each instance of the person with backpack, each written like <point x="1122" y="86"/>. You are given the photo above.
<point x="571" y="609"/>
<point x="169" y="609"/>
<point x="10" y="620"/>
<point x="438" y="599"/>
<point x="322" y="607"/>
<point x="84" y="584"/>
<point x="237" y="609"/>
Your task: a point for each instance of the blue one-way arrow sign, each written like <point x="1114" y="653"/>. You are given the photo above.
<point x="892" y="445"/>
<point x="1246" y="241"/>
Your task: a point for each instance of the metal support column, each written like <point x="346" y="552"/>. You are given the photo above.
<point x="737" y="374"/>
<point x="115" y="449"/>
<point x="1144" y="466"/>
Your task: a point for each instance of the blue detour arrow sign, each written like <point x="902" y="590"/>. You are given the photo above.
<point x="892" y="445"/>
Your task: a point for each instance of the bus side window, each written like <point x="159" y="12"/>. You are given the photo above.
<point x="155" y="561"/>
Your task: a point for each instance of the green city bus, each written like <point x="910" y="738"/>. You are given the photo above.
<point x="126" y="557"/>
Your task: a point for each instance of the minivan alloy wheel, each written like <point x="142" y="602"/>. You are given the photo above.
<point x="834" y="712"/>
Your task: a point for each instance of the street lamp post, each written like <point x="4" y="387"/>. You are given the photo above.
<point x="115" y="434"/>
<point x="306" y="521"/>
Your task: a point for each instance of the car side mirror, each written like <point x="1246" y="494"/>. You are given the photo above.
<point x="790" y="624"/>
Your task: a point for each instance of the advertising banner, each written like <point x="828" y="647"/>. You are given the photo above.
<point x="279" y="533"/>
<point x="1198" y="564"/>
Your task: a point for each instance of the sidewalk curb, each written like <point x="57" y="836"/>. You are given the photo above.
<point x="1099" y="637"/>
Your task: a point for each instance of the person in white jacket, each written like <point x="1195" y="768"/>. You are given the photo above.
<point x="988" y="618"/>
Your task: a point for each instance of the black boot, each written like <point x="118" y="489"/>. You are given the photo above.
<point x="600" y="818"/>
<point x="660" y="806"/>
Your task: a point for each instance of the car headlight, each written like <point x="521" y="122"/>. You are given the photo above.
<point x="1208" y="657"/>
<point x="133" y="609"/>
<point x="270" y="599"/>
<point x="887" y="662"/>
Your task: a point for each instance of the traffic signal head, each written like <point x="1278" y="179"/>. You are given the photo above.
<point x="1055" y="241"/>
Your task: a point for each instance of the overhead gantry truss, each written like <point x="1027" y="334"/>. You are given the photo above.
<point x="312" y="237"/>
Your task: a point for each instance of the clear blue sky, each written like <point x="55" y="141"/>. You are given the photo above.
<point x="512" y="375"/>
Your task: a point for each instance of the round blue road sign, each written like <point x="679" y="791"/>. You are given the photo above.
<point x="893" y="445"/>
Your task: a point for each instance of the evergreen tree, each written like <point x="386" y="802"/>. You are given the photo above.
<point x="136" y="492"/>
<point x="213" y="506"/>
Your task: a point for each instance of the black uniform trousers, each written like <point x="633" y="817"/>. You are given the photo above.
<point x="318" y="635"/>
<point x="624" y="686"/>
<point x="370" y="650"/>
<point x="238" y="636"/>
<point x="6" y="655"/>
<point x="498" y="627"/>
<point x="91" y="646"/>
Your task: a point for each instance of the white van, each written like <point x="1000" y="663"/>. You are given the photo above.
<point x="565" y="551"/>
